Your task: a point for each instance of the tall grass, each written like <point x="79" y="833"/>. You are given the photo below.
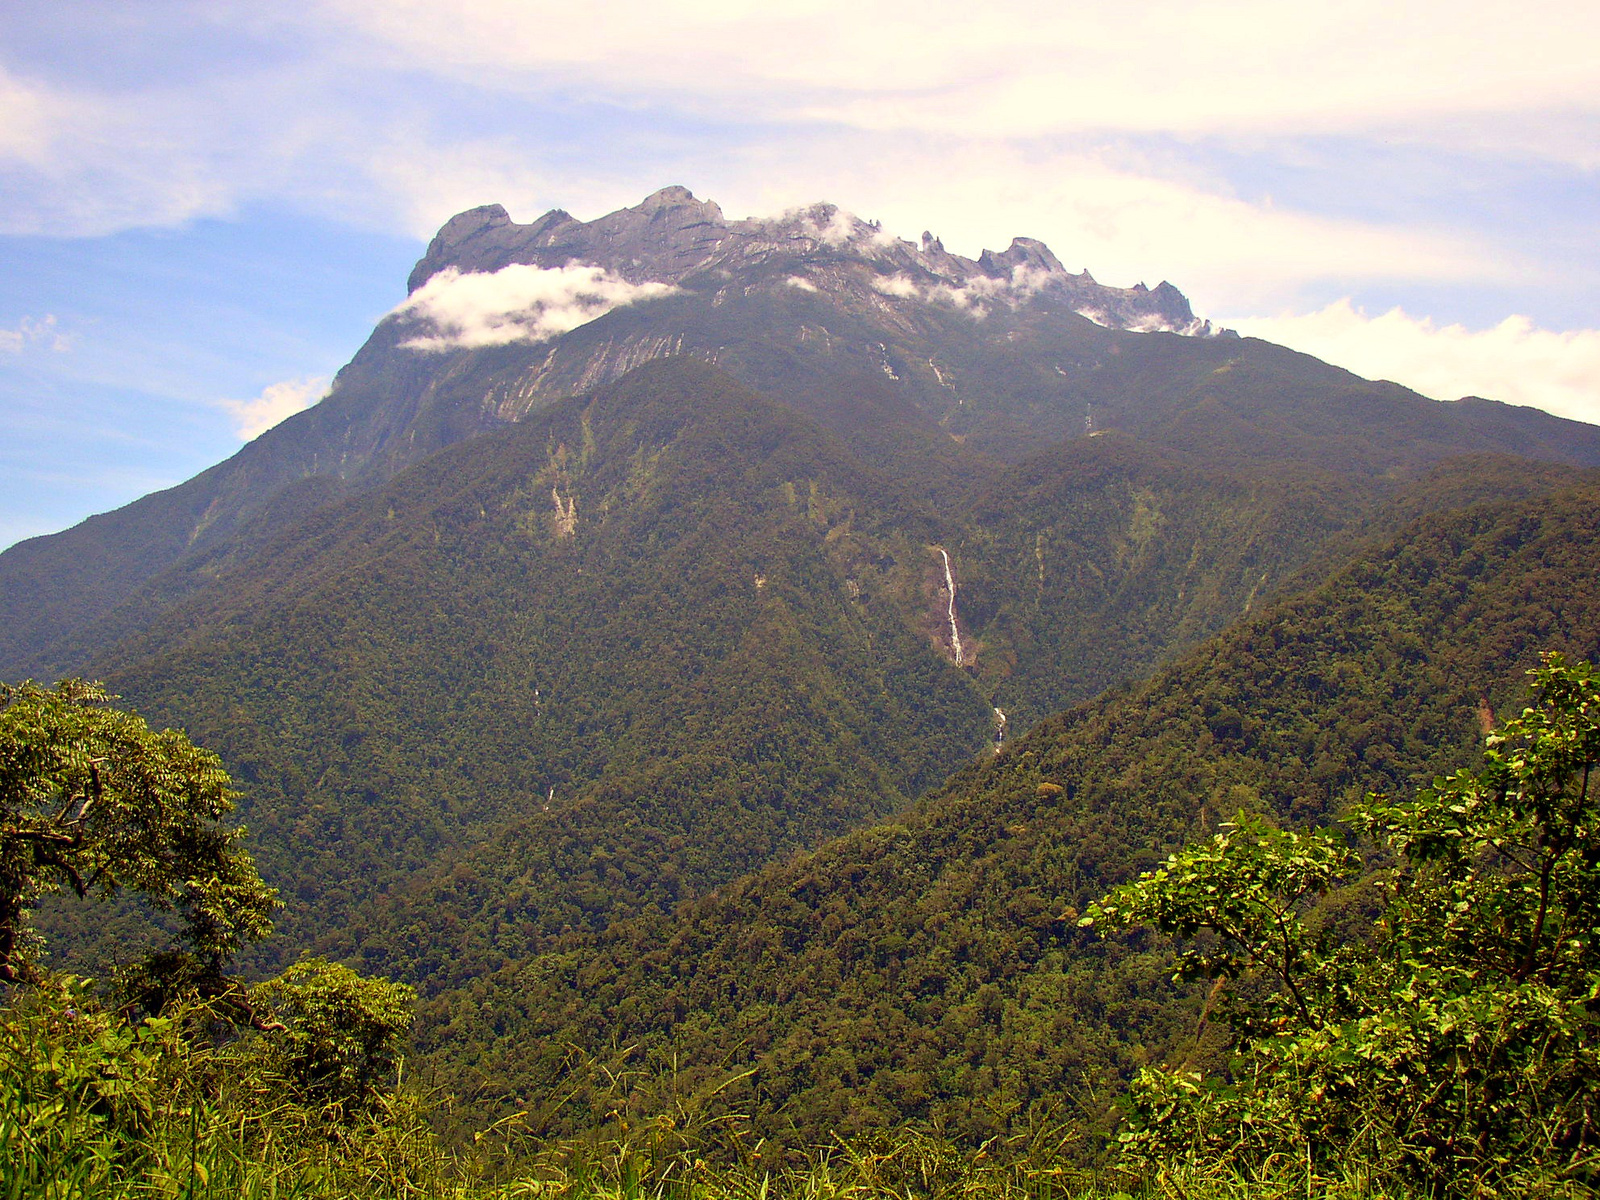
<point x="96" y="1108"/>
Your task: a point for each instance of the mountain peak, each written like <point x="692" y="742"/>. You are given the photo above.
<point x="1023" y="252"/>
<point x="672" y="235"/>
<point x="472" y="222"/>
<point x="677" y="196"/>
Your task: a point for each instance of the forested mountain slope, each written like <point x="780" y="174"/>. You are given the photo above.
<point x="507" y="641"/>
<point x="922" y="357"/>
<point x="598" y="662"/>
<point x="931" y="969"/>
<point x="621" y="617"/>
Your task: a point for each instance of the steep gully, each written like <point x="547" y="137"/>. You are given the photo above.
<point x="955" y="642"/>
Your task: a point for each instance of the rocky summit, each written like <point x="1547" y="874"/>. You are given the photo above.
<point x="671" y="236"/>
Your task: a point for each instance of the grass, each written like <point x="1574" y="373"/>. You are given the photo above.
<point x="92" y="1108"/>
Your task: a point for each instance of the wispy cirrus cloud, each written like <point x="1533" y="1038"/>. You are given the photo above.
<point x="1141" y="141"/>
<point x="78" y="162"/>
<point x="32" y="332"/>
<point x="1016" y="69"/>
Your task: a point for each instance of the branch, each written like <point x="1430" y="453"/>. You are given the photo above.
<point x="45" y="835"/>
<point x="1530" y="960"/>
<point x="1288" y="978"/>
<point x="75" y="878"/>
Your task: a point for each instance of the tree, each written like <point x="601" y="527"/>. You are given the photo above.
<point x="93" y="799"/>
<point x="340" y="1033"/>
<point x="1454" y="1042"/>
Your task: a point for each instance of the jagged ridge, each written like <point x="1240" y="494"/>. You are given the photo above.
<point x="671" y="236"/>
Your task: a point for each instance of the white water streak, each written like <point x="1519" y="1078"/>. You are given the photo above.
<point x="950" y="585"/>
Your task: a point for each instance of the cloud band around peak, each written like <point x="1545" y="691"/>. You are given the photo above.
<point x="518" y="303"/>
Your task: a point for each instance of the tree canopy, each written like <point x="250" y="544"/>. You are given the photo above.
<point x="93" y="799"/>
<point x="1455" y="1041"/>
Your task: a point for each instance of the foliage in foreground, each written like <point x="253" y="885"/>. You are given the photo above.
<point x="176" y="1077"/>
<point x="94" y="1106"/>
<point x="93" y="1103"/>
<point x="1456" y="1045"/>
<point x="93" y="799"/>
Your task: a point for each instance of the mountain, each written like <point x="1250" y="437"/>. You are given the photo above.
<point x="930" y="363"/>
<point x="624" y="616"/>
<point x="930" y="969"/>
<point x="639" y="647"/>
<point x="611" y="657"/>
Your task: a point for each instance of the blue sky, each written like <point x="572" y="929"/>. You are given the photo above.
<point x="204" y="207"/>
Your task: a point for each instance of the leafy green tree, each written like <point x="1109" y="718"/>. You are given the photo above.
<point x="94" y="800"/>
<point x="154" y="1092"/>
<point x="1456" y="1043"/>
<point x="338" y="1033"/>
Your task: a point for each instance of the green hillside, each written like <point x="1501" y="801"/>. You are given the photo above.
<point x="931" y="969"/>
<point x="643" y="642"/>
<point x="620" y="618"/>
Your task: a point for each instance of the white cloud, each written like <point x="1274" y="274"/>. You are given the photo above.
<point x="980" y="123"/>
<point x="80" y="163"/>
<point x="801" y="282"/>
<point x="901" y="287"/>
<point x="518" y="303"/>
<point x="839" y="230"/>
<point x="30" y="331"/>
<point x="973" y="294"/>
<point x="277" y="401"/>
<point x="1019" y="68"/>
<point x="351" y="124"/>
<point x="1513" y="361"/>
<point x="972" y="297"/>
<point x="1224" y="252"/>
<point x="25" y="119"/>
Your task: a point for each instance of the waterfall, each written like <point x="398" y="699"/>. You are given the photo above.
<point x="999" y="729"/>
<point x="950" y="584"/>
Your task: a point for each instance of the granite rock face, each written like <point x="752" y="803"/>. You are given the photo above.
<point x="671" y="236"/>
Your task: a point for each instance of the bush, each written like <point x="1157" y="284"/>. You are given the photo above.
<point x="1455" y="1046"/>
<point x="337" y="1034"/>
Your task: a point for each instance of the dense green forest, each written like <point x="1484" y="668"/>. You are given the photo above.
<point x="99" y="1096"/>
<point x="598" y="663"/>
<point x="932" y="970"/>
<point x="505" y="727"/>
<point x="673" y="681"/>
